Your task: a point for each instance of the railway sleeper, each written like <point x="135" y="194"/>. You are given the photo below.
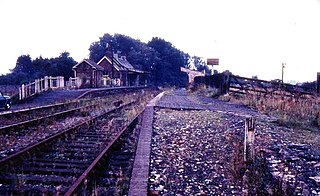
<point x="72" y="159"/>
<point x="30" y="189"/>
<point x="13" y="179"/>
<point x="90" y="139"/>
<point x="59" y="161"/>
<point x="48" y="171"/>
<point x="63" y="149"/>
<point x="71" y="156"/>
<point x="78" y="145"/>
<point x="55" y="165"/>
<point x="68" y="156"/>
<point x="95" y="135"/>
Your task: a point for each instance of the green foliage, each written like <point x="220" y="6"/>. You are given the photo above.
<point x="167" y="70"/>
<point x="27" y="70"/>
<point x="158" y="57"/>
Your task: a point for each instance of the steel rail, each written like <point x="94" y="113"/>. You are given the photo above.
<point x="31" y="109"/>
<point x="33" y="147"/>
<point x="72" y="190"/>
<point x="10" y="127"/>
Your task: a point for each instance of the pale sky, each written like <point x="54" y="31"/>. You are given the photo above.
<point x="250" y="37"/>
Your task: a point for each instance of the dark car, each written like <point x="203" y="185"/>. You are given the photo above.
<point x="5" y="101"/>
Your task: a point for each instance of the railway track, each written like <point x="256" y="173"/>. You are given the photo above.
<point x="22" y="134"/>
<point x="63" y="163"/>
<point x="31" y="114"/>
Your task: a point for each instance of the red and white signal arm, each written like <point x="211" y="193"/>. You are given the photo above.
<point x="213" y="61"/>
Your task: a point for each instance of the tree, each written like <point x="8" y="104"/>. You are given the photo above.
<point x="62" y="65"/>
<point x="27" y="70"/>
<point x="158" y="57"/>
<point x="99" y="48"/>
<point x="168" y="69"/>
<point x="23" y="69"/>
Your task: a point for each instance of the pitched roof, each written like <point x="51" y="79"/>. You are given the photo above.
<point x="121" y="63"/>
<point x="91" y="63"/>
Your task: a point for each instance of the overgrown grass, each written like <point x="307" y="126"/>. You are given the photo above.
<point x="204" y="90"/>
<point x="303" y="112"/>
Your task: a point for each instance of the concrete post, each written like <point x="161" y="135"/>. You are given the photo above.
<point x="249" y="140"/>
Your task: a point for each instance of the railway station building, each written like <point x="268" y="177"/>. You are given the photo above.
<point x="111" y="70"/>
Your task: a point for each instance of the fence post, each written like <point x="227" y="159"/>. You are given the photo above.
<point x="28" y="90"/>
<point x="46" y="87"/>
<point x="61" y="82"/>
<point x="50" y="82"/>
<point x="20" y="93"/>
<point x="41" y="84"/>
<point x="249" y="140"/>
<point x="36" y="86"/>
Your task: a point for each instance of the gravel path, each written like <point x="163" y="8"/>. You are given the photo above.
<point x="197" y="148"/>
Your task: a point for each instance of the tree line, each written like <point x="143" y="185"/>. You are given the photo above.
<point x="159" y="57"/>
<point x="27" y="69"/>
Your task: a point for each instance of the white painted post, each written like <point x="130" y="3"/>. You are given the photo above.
<point x="50" y="82"/>
<point x="61" y="82"/>
<point x="24" y="91"/>
<point x="20" y="93"/>
<point x="41" y="84"/>
<point x="249" y="140"/>
<point x="36" y="86"/>
<point x="46" y="83"/>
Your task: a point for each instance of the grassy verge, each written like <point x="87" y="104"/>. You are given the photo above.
<point x="303" y="112"/>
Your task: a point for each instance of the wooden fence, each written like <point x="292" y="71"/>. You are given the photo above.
<point x="41" y="85"/>
<point x="73" y="83"/>
<point x="228" y="83"/>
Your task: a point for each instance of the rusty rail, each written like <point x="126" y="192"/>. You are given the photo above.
<point x="85" y="174"/>
<point x="32" y="148"/>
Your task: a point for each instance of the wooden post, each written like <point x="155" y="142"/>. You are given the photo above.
<point x="37" y="86"/>
<point x="23" y="91"/>
<point x="61" y="82"/>
<point x="40" y="85"/>
<point x="249" y="140"/>
<point x="20" y="93"/>
<point x="28" y="89"/>
<point x="50" y="82"/>
<point x="46" y="87"/>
